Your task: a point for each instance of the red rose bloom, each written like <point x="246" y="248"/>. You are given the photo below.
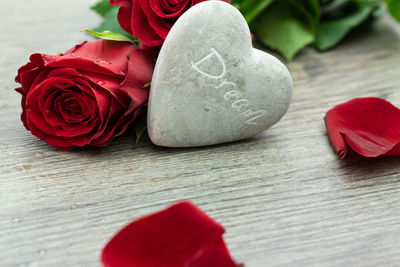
<point x="151" y="20"/>
<point x="86" y="96"/>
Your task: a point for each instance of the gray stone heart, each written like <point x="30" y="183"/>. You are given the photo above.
<point x="210" y="85"/>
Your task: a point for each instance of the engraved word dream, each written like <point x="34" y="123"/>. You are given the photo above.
<point x="234" y="96"/>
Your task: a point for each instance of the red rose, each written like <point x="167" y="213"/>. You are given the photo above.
<point x="86" y="96"/>
<point x="151" y="20"/>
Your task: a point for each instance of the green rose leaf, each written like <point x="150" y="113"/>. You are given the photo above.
<point x="330" y="33"/>
<point x="236" y="3"/>
<point x="252" y="8"/>
<point x="140" y="127"/>
<point x="108" y="35"/>
<point x="310" y="8"/>
<point x="286" y="27"/>
<point x="394" y="8"/>
<point x="103" y="7"/>
<point x="110" y="23"/>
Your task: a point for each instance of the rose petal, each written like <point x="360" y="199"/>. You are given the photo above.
<point x="59" y="143"/>
<point x="34" y="115"/>
<point x="370" y="126"/>
<point x="123" y="121"/>
<point x="124" y="13"/>
<point x="177" y="236"/>
<point x="110" y="84"/>
<point x="165" y="9"/>
<point x="23" y="106"/>
<point x="133" y="87"/>
<point x="26" y="75"/>
<point x="214" y="257"/>
<point x="160" y="25"/>
<point x="111" y="54"/>
<point x="172" y="11"/>
<point x="137" y="78"/>
<point x="101" y="56"/>
<point x="107" y="130"/>
<point x="141" y="27"/>
<point x="51" y="61"/>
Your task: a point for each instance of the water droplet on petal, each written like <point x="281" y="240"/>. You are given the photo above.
<point x="122" y="73"/>
<point x="101" y="61"/>
<point x="100" y="82"/>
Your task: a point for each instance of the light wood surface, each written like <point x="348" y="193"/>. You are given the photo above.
<point x="284" y="197"/>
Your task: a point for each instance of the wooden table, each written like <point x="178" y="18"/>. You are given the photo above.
<point x="284" y="197"/>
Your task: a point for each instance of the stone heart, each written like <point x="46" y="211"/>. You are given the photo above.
<point x="210" y="85"/>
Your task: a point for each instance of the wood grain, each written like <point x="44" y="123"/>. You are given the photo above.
<point x="284" y="197"/>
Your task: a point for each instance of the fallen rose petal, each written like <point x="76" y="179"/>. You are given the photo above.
<point x="369" y="126"/>
<point x="215" y="257"/>
<point x="181" y="235"/>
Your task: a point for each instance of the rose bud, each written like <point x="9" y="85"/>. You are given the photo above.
<point x="151" y="20"/>
<point x="86" y="96"/>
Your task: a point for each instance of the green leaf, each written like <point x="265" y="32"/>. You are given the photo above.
<point x="394" y="8"/>
<point x="140" y="127"/>
<point x="252" y="8"/>
<point x="330" y="33"/>
<point x="107" y="35"/>
<point x="110" y="23"/>
<point x="103" y="7"/>
<point x="236" y="3"/>
<point x="380" y="10"/>
<point x="285" y="27"/>
<point x="334" y="7"/>
<point x="311" y="9"/>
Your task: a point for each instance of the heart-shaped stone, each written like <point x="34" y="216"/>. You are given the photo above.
<point x="210" y="85"/>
